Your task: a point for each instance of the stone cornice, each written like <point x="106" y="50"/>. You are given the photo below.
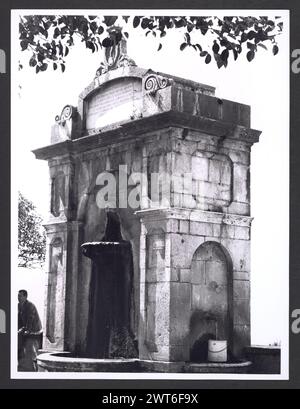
<point x="122" y="132"/>
<point x="194" y="215"/>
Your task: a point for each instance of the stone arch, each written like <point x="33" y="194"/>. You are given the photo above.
<point x="211" y="298"/>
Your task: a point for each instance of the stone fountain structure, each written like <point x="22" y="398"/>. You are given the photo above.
<point x="144" y="288"/>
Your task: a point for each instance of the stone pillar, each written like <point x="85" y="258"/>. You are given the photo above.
<point x="63" y="258"/>
<point x="155" y="275"/>
<point x="63" y="255"/>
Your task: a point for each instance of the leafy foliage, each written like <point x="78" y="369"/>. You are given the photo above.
<point x="50" y="38"/>
<point x="31" y="236"/>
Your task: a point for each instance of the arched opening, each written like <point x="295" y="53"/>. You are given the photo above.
<point x="212" y="293"/>
<point x="109" y="332"/>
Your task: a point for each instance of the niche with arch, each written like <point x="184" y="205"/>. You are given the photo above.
<point x="212" y="293"/>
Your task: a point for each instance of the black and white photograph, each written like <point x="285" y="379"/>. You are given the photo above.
<point x="150" y="194"/>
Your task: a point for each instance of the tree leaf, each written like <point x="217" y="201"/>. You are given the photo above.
<point x="24" y="44"/>
<point x="107" y="42"/>
<point x="216" y="48"/>
<point x="251" y="35"/>
<point x="224" y="55"/>
<point x="94" y="27"/>
<point x="56" y="32"/>
<point x="207" y="59"/>
<point x="32" y="61"/>
<point x="44" y="66"/>
<point x="110" y="20"/>
<point x="262" y="46"/>
<point x="251" y="46"/>
<point x="250" y="55"/>
<point x="136" y="21"/>
<point x="54" y="66"/>
<point x="63" y="67"/>
<point x="159" y="47"/>
<point x="187" y="38"/>
<point x="275" y="49"/>
<point x="183" y="46"/>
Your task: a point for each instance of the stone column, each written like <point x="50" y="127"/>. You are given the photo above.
<point x="63" y="258"/>
<point x="155" y="260"/>
<point x="63" y="255"/>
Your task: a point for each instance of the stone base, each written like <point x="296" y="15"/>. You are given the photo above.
<point x="65" y="362"/>
<point x="242" y="367"/>
<point x="266" y="359"/>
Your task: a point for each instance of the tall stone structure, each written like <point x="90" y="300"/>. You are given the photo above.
<point x="190" y="272"/>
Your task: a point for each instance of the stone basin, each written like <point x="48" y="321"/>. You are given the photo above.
<point x="65" y="362"/>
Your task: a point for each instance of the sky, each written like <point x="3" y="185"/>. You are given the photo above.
<point x="263" y="84"/>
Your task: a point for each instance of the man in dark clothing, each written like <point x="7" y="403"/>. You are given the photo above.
<point x="29" y="333"/>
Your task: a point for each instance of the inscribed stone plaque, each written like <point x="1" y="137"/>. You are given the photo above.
<point x="116" y="101"/>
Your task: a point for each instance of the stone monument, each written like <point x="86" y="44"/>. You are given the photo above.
<point x="166" y="276"/>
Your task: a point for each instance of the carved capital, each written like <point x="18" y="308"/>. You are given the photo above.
<point x="154" y="82"/>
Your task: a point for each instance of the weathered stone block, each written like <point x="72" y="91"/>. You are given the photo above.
<point x="239" y="208"/>
<point x="180" y="311"/>
<point x="184" y="226"/>
<point x="183" y="247"/>
<point x="175" y="274"/>
<point x="239" y="251"/>
<point x="201" y="229"/>
<point x="241" y="314"/>
<point x="227" y="231"/>
<point x="182" y="163"/>
<point x="179" y="353"/>
<point x="200" y="167"/>
<point x="172" y="226"/>
<point x="241" y="183"/>
<point x="241" y="275"/>
<point x="216" y="271"/>
<point x="241" y="290"/>
<point x="242" y="339"/>
<point x="242" y="233"/>
<point x="185" y="275"/>
<point x="214" y="172"/>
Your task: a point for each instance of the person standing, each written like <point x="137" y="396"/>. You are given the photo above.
<point x="29" y="334"/>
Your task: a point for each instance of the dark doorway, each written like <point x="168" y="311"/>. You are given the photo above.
<point x="109" y="333"/>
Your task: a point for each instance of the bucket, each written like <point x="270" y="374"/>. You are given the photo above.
<point x="217" y="351"/>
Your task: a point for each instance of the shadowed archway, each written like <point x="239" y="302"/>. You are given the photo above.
<point x="109" y="333"/>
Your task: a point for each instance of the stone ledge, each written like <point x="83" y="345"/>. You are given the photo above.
<point x="131" y="130"/>
<point x="266" y="359"/>
<point x="64" y="362"/>
<point x="194" y="215"/>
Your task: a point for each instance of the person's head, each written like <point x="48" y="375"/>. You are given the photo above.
<point x="22" y="296"/>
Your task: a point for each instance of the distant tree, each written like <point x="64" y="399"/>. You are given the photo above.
<point x="49" y="38"/>
<point x="31" y="236"/>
